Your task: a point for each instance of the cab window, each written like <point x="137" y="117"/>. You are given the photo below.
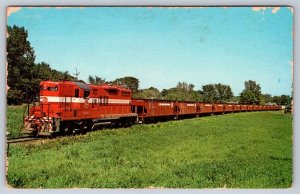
<point x="86" y="93"/>
<point x="76" y="93"/>
<point x="113" y="92"/>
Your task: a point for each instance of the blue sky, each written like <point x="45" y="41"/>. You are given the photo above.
<point x="161" y="46"/>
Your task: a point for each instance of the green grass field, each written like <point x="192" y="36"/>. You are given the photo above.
<point x="15" y="120"/>
<point x="243" y="150"/>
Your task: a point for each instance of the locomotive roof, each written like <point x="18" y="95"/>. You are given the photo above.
<point x="89" y="86"/>
<point x="106" y="86"/>
<point x="82" y="85"/>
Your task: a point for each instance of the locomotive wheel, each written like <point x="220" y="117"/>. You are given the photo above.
<point x="53" y="135"/>
<point x="83" y="128"/>
<point x="35" y="133"/>
<point x="69" y="129"/>
<point x="83" y="131"/>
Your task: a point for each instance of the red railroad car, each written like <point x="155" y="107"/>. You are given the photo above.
<point x="237" y="108"/>
<point x="187" y="108"/>
<point x="244" y="107"/>
<point x="218" y="108"/>
<point x="228" y="108"/>
<point x="148" y="109"/>
<point x="206" y="108"/>
<point x="255" y="107"/>
<point x="250" y="107"/>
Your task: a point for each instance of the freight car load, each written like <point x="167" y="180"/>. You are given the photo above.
<point x="70" y="107"/>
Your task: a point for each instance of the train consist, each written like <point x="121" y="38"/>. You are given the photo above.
<point x="71" y="107"/>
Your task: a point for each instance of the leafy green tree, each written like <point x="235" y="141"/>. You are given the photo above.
<point x="185" y="86"/>
<point x="251" y="94"/>
<point x="224" y="92"/>
<point x="175" y="94"/>
<point x="180" y="94"/>
<point x="282" y="100"/>
<point x="183" y="91"/>
<point x="285" y="100"/>
<point x="14" y="96"/>
<point x="95" y="80"/>
<point x="164" y="92"/>
<point x="266" y="98"/>
<point x="150" y="93"/>
<point x="209" y="93"/>
<point x="20" y="59"/>
<point x="216" y="93"/>
<point x="235" y="99"/>
<point x="130" y="82"/>
<point x="195" y="96"/>
<point x="43" y="71"/>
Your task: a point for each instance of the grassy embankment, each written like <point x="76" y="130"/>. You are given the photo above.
<point x="244" y="150"/>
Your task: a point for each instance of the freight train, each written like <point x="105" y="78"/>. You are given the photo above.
<point x="68" y="107"/>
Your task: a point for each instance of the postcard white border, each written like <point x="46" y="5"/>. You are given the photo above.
<point x="296" y="147"/>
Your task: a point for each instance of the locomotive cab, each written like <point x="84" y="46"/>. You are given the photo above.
<point x="48" y="90"/>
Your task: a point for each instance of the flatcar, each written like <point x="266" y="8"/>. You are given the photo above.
<point x="68" y="107"/>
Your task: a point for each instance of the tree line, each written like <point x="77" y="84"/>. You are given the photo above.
<point x="24" y="76"/>
<point x="213" y="93"/>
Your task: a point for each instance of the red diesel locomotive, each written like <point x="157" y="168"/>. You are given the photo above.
<point x="67" y="107"/>
<point x="71" y="107"/>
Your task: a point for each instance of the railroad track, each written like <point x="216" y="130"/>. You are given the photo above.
<point x="22" y="139"/>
